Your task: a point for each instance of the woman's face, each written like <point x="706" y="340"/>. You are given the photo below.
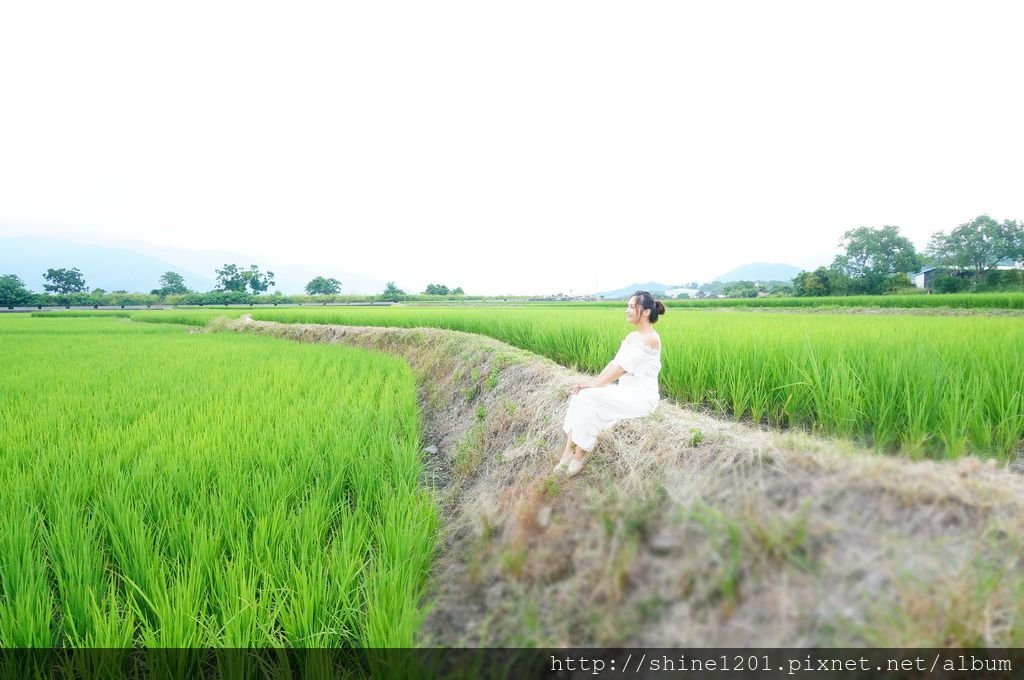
<point x="634" y="310"/>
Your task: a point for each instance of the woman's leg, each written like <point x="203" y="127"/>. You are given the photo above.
<point x="567" y="428"/>
<point x="576" y="462"/>
<point x="563" y="462"/>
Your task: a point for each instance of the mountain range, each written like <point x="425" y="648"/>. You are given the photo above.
<point x="112" y="268"/>
<point x="657" y="289"/>
<point x="138" y="269"/>
<point x="760" y="271"/>
<point x="754" y="271"/>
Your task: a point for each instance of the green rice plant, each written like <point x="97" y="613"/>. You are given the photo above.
<point x="925" y="386"/>
<point x="25" y="618"/>
<point x="913" y="300"/>
<point x="168" y="489"/>
<point x="1008" y="300"/>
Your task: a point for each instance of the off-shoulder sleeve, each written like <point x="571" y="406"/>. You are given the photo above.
<point x="628" y="357"/>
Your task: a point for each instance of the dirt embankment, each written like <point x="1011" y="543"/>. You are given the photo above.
<point x="686" y="530"/>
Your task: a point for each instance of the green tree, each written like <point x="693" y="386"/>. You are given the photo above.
<point x="13" y="291"/>
<point x="945" y="282"/>
<point x="392" y="292"/>
<point x="873" y="255"/>
<point x="458" y="291"/>
<point x="714" y="287"/>
<point x="896" y="283"/>
<point x="978" y="245"/>
<point x="231" y="278"/>
<point x="64" y="281"/>
<point x="257" y="281"/>
<point x="322" y="286"/>
<point x="171" y="283"/>
<point x="436" y="289"/>
<point x="741" y="289"/>
<point x="812" y="284"/>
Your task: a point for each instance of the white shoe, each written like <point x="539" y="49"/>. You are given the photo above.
<point x="575" y="465"/>
<point x="563" y="463"/>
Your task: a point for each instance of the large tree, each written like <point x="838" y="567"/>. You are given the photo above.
<point x="812" y="284"/>
<point x="322" y="286"/>
<point x="171" y="283"/>
<point x="231" y="278"/>
<point x="392" y="292"/>
<point x="13" y="291"/>
<point x="978" y="245"/>
<point x="63" y="281"/>
<point x="873" y="255"/>
<point x="258" y="282"/>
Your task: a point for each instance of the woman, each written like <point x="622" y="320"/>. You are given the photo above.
<point x="597" y="405"/>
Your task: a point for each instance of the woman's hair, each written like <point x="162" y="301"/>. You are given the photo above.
<point x="647" y="301"/>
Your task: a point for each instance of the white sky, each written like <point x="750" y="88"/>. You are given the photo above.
<point x="509" y="147"/>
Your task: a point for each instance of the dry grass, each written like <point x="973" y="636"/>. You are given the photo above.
<point x="685" y="529"/>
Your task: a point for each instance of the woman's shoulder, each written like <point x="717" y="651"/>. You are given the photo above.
<point x="651" y="340"/>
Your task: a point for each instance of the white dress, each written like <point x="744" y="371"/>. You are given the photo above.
<point x="595" y="409"/>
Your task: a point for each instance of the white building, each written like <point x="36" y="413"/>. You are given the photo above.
<point x="672" y="292"/>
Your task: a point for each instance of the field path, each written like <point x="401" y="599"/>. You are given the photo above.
<point x="685" y="529"/>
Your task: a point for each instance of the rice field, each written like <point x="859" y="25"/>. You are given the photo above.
<point x="1007" y="300"/>
<point x="923" y="386"/>
<point x="167" y="489"/>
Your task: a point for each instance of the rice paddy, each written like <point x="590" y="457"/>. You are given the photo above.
<point x="938" y="387"/>
<point x="167" y="489"/>
<point x="1006" y="300"/>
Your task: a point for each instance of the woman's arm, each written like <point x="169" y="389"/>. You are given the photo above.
<point x="610" y="374"/>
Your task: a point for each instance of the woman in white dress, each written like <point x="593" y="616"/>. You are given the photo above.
<point x="598" y="404"/>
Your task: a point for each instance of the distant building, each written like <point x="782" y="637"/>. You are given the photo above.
<point x="675" y="292"/>
<point x="923" y="278"/>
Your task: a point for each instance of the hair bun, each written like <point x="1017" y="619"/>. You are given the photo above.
<point x="659" y="307"/>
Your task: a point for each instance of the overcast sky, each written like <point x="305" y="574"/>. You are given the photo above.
<point x="509" y="147"/>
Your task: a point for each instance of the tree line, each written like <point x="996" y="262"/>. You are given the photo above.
<point x="879" y="261"/>
<point x="235" y="285"/>
<point x="876" y="261"/>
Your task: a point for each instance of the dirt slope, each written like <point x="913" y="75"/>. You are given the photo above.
<point x="686" y="530"/>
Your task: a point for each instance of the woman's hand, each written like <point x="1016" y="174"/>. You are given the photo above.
<point x="581" y="386"/>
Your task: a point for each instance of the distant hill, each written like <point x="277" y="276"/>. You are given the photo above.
<point x="760" y="271"/>
<point x="113" y="268"/>
<point x="624" y="293"/>
<point x="103" y="267"/>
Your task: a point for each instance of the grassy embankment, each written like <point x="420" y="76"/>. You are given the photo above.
<point x="173" y="490"/>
